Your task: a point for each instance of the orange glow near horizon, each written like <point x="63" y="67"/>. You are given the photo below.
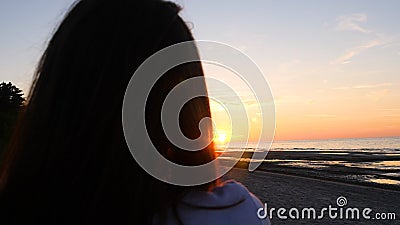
<point x="319" y="110"/>
<point x="334" y="71"/>
<point x="305" y="127"/>
<point x="338" y="117"/>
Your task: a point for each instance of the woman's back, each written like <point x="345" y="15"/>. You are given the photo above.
<point x="230" y="203"/>
<point x="68" y="162"/>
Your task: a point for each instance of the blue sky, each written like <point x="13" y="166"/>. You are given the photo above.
<point x="25" y="27"/>
<point x="335" y="62"/>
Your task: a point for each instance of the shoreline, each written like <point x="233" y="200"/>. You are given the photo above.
<point x="368" y="167"/>
<point x="291" y="191"/>
<point x="319" y="175"/>
<point x="334" y="181"/>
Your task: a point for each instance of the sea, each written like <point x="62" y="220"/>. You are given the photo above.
<point x="364" y="161"/>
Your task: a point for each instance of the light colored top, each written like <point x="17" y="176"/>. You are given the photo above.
<point x="228" y="204"/>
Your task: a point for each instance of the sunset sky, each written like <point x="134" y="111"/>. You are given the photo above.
<point x="333" y="66"/>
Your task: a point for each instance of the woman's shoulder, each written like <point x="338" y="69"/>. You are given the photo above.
<point x="228" y="203"/>
<point x="226" y="195"/>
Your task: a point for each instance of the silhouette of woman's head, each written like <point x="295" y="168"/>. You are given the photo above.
<point x="68" y="162"/>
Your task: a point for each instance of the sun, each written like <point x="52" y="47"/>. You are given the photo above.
<point x="221" y="137"/>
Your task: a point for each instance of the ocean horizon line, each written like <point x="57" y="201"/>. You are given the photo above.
<point x="319" y="139"/>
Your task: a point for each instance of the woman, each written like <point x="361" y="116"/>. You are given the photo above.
<point x="68" y="162"/>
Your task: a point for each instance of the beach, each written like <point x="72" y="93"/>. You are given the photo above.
<point x="288" y="191"/>
<point x="364" y="161"/>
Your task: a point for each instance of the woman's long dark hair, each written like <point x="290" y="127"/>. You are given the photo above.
<point x="68" y="162"/>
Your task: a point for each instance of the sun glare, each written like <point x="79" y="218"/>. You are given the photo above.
<point x="221" y="138"/>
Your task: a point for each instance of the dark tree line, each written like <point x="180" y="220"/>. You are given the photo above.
<point x="11" y="103"/>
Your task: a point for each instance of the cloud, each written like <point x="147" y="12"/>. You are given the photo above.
<point x="287" y="67"/>
<point x="391" y="115"/>
<point x="378" y="95"/>
<point x="242" y="48"/>
<point x="346" y="58"/>
<point x="321" y="115"/>
<point x="216" y="107"/>
<point x="351" y="22"/>
<point x="392" y="109"/>
<point x="363" y="86"/>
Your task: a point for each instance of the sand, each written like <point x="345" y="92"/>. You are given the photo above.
<point x="287" y="191"/>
